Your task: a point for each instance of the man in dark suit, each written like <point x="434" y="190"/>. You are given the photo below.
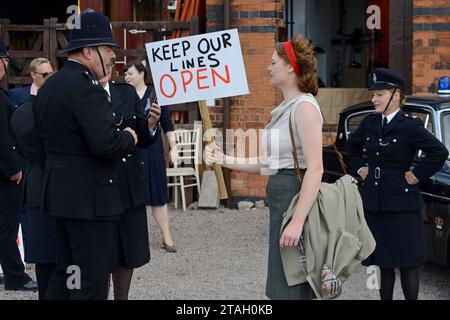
<point x="39" y="69"/>
<point x="19" y="95"/>
<point x="15" y="277"/>
<point x="82" y="146"/>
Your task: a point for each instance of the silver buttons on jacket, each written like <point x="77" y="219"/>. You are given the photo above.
<point x="110" y="181"/>
<point x="406" y="190"/>
<point x="124" y="160"/>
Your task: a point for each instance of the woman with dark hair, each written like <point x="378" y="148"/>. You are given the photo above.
<point x="136" y="74"/>
<point x="293" y="70"/>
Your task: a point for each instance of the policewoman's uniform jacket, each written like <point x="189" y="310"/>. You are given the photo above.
<point x="128" y="113"/>
<point x="10" y="161"/>
<point x="82" y="145"/>
<point x="389" y="157"/>
<point x="31" y="149"/>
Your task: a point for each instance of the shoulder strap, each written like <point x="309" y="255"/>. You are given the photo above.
<point x="294" y="149"/>
<point x="298" y="173"/>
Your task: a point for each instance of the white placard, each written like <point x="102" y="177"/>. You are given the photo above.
<point x="200" y="67"/>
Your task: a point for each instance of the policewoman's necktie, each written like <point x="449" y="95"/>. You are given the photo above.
<point x="385" y="124"/>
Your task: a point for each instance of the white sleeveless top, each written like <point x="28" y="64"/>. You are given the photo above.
<point x="276" y="141"/>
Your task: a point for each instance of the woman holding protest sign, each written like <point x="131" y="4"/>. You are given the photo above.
<point x="293" y="70"/>
<point x="135" y="74"/>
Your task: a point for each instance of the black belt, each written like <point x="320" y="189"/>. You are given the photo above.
<point x="378" y="172"/>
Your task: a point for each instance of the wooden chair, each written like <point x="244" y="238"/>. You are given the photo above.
<point x="189" y="147"/>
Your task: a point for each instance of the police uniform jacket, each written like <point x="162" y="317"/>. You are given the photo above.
<point x="31" y="150"/>
<point x="10" y="161"/>
<point x="389" y="156"/>
<point x="129" y="113"/>
<point x="82" y="146"/>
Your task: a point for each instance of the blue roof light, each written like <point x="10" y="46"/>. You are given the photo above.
<point x="444" y="86"/>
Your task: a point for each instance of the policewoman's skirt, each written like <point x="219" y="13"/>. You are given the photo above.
<point x="280" y="189"/>
<point x="41" y="233"/>
<point x="400" y="239"/>
<point x="133" y="249"/>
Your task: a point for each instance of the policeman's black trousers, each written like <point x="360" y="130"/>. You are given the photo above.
<point x="83" y="260"/>
<point x="10" y="209"/>
<point x="44" y="272"/>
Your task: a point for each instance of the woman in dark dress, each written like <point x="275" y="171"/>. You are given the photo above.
<point x="132" y="233"/>
<point x="392" y="201"/>
<point x="40" y="228"/>
<point x="135" y="74"/>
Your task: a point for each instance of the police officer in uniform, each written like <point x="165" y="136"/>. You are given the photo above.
<point x="15" y="277"/>
<point x="390" y="138"/>
<point x="82" y="147"/>
<point x="40" y="227"/>
<point x="133" y="249"/>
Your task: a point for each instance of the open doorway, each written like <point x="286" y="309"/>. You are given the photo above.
<point x="345" y="48"/>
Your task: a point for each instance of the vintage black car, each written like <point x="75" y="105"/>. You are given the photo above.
<point x="435" y="114"/>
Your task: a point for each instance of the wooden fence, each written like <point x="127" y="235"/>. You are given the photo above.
<point x="50" y="38"/>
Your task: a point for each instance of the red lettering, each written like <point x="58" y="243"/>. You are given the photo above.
<point x="215" y="74"/>
<point x="200" y="78"/>
<point x="185" y="83"/>
<point x="162" y="88"/>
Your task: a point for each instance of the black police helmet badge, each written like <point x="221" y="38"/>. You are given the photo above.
<point x="382" y="78"/>
<point x="95" y="30"/>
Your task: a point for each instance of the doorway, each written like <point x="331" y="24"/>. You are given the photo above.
<point x="345" y="48"/>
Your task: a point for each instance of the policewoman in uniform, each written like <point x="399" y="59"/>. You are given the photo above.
<point x="133" y="248"/>
<point x="390" y="138"/>
<point x="82" y="147"/>
<point x="40" y="228"/>
<point x="15" y="277"/>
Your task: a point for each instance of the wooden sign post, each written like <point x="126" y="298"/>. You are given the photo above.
<point x="204" y="112"/>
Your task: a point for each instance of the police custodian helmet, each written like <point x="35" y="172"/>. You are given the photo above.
<point x="3" y="50"/>
<point x="95" y="30"/>
<point x="382" y="78"/>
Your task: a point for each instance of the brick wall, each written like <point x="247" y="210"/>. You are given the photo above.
<point x="431" y="44"/>
<point x="257" y="22"/>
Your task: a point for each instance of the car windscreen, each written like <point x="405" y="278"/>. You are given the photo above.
<point x="445" y="129"/>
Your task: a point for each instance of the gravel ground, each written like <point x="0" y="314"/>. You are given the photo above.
<point x="222" y="256"/>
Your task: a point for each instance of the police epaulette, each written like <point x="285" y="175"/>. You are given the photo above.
<point x="91" y="77"/>
<point x="121" y="83"/>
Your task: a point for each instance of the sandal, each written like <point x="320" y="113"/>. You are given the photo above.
<point x="331" y="285"/>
